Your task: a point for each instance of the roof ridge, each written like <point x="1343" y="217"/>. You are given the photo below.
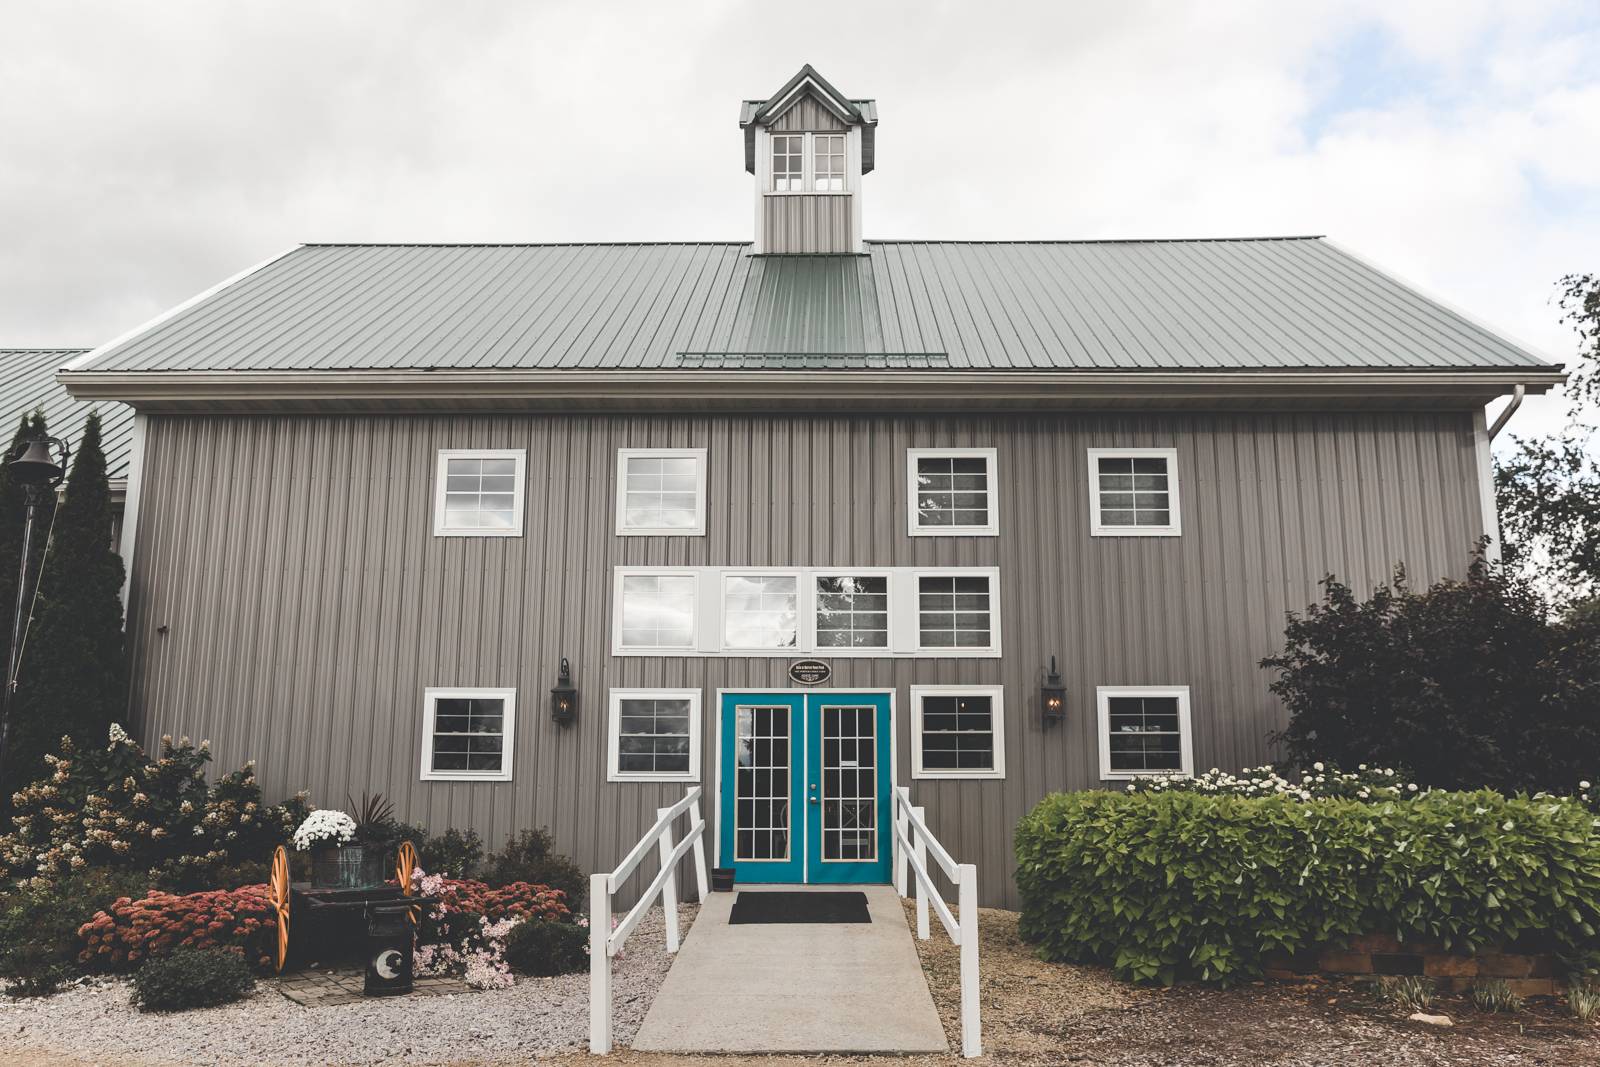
<point x="865" y="240"/>
<point x="18" y="351"/>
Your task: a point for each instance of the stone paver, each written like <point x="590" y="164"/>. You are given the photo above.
<point x="320" y="988"/>
<point x="802" y="987"/>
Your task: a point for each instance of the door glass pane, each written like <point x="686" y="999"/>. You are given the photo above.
<point x="761" y="808"/>
<point x="849" y="784"/>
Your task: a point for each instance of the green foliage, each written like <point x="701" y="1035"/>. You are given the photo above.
<point x="1467" y="684"/>
<point x="73" y="676"/>
<point x="1167" y="885"/>
<point x="192" y="978"/>
<point x="1319" y="781"/>
<point x="454" y="854"/>
<point x="39" y="926"/>
<point x="114" y="806"/>
<point x="1410" y="992"/>
<point x="374" y="818"/>
<point x="1583" y="1000"/>
<point x="530" y="857"/>
<point x="1495" y="995"/>
<point x="12" y="515"/>
<point x="544" y="948"/>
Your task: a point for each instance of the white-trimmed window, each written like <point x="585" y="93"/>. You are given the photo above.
<point x="468" y="734"/>
<point x="958" y="731"/>
<point x="956" y="610"/>
<point x="1133" y="492"/>
<point x="827" y="162"/>
<point x="788" y="162"/>
<point x="661" y="491"/>
<point x="852" y="610"/>
<point x="761" y="610"/>
<point x="1144" y="731"/>
<point x="657" y="610"/>
<point x="478" y="492"/>
<point x="654" y="735"/>
<point x="951" y="492"/>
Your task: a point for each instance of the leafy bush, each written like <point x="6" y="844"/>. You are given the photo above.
<point x="116" y="807"/>
<point x="133" y="930"/>
<point x="192" y="978"/>
<point x="39" y="926"/>
<point x="454" y="853"/>
<point x="544" y="949"/>
<point x="1163" y="885"/>
<point x="1468" y="684"/>
<point x="530" y="857"/>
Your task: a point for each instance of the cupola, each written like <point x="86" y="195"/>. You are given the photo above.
<point x="808" y="146"/>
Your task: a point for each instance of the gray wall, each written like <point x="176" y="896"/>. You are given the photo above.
<point x="808" y="222"/>
<point x="308" y="604"/>
<point x="808" y="115"/>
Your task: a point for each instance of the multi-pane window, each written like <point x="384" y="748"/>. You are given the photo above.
<point x="849" y="784"/>
<point x="788" y="162"/>
<point x="655" y="734"/>
<point x="958" y="731"/>
<point x="761" y="784"/>
<point x="852" y="611"/>
<point x="661" y="491"/>
<point x="1133" y="491"/>
<point x="761" y="611"/>
<point x="1144" y="731"/>
<point x="478" y="493"/>
<point x="951" y="491"/>
<point x="467" y="734"/>
<point x="658" y="611"/>
<point x="827" y="154"/>
<point x="954" y="611"/>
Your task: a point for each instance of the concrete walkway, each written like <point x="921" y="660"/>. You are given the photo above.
<point x="800" y="987"/>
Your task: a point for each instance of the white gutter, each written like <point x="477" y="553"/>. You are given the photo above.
<point x="1510" y="409"/>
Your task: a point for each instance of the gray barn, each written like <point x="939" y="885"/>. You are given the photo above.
<point x="379" y="493"/>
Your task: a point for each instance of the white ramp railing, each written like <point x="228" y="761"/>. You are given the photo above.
<point x="914" y="843"/>
<point x="604" y="942"/>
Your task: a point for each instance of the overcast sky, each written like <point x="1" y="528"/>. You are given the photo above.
<point x="150" y="149"/>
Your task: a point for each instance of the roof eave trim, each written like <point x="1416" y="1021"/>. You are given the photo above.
<point x="172" y="312"/>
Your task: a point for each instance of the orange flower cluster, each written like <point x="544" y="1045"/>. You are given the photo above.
<point x="133" y="930"/>
<point x="518" y="900"/>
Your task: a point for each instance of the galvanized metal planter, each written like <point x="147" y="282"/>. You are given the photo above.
<point x="347" y="867"/>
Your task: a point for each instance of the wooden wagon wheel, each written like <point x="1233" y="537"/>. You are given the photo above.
<point x="278" y="893"/>
<point x="405" y="865"/>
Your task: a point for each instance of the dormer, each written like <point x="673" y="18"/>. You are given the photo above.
<point x="808" y="146"/>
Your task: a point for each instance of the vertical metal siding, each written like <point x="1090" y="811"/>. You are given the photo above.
<point x="807" y="114"/>
<point x="308" y="605"/>
<point x="808" y="223"/>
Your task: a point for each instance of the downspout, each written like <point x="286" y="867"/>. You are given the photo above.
<point x="1510" y="409"/>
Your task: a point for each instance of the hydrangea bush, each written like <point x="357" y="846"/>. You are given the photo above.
<point x="465" y="933"/>
<point x="1321" y="781"/>
<point x="115" y="806"/>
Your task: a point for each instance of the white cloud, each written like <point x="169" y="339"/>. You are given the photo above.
<point x="153" y="148"/>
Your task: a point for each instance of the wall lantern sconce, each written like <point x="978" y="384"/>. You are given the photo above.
<point x="563" y="696"/>
<point x="1052" y="696"/>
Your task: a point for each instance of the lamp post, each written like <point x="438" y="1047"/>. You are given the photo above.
<point x="38" y="464"/>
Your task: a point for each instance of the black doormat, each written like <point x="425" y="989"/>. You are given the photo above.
<point x="800" y="908"/>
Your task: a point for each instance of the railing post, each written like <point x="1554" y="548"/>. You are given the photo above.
<point x="903" y="824"/>
<point x="669" y="888"/>
<point x="920" y="847"/>
<point x="697" y="823"/>
<point x="971" y="1023"/>
<point x="599" y="964"/>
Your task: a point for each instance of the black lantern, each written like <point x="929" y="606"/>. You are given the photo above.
<point x="1052" y="696"/>
<point x="563" y="696"/>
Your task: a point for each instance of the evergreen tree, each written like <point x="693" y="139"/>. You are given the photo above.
<point x="73" y="678"/>
<point x="12" y="514"/>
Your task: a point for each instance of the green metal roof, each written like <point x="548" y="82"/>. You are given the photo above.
<point x="1262" y="304"/>
<point x="28" y="383"/>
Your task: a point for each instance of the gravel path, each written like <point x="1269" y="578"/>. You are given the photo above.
<point x="94" y="1023"/>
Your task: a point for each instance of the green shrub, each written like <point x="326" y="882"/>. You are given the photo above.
<point x="1410" y="992"/>
<point x="191" y="978"/>
<point x="1495" y="995"/>
<point x="1583" y="1001"/>
<point x="1165" y="885"/>
<point x="529" y="857"/>
<point x="544" y="948"/>
<point x="39" y="926"/>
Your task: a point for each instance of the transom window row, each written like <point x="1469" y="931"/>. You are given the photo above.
<point x="837" y="611"/>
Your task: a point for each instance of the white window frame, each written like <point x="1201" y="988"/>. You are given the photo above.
<point x="1098" y="529"/>
<point x="808" y="163"/>
<point x="430" y="698"/>
<point x="801" y="600"/>
<point x="699" y="527"/>
<point x="697" y="615"/>
<point x="997" y="707"/>
<point x="614" y="733"/>
<point x="905" y="631"/>
<point x="1102" y="697"/>
<point x="519" y="500"/>
<point x="991" y="468"/>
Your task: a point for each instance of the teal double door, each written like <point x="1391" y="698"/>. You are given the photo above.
<point x="804" y="786"/>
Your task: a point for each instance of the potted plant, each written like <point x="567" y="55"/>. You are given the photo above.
<point x="346" y="852"/>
